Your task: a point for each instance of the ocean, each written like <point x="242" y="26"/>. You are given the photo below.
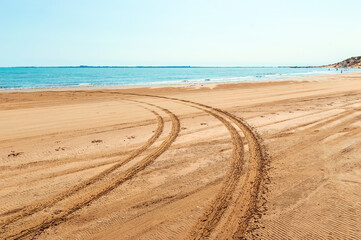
<point x="45" y="77"/>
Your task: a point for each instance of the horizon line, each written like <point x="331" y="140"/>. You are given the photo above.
<point x="153" y="66"/>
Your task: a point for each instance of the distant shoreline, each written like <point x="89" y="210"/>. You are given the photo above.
<point x="211" y="85"/>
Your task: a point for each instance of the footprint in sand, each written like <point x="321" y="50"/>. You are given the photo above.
<point x="14" y="154"/>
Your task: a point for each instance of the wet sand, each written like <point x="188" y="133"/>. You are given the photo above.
<point x="275" y="160"/>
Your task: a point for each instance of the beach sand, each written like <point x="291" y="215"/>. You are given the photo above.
<point x="273" y="160"/>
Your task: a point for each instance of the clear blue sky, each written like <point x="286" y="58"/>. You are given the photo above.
<point x="178" y="32"/>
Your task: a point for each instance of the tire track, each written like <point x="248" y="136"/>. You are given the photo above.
<point x="65" y="172"/>
<point x="216" y="209"/>
<point x="248" y="204"/>
<point x="323" y="133"/>
<point x="32" y="229"/>
<point x="33" y="208"/>
<point x="308" y="127"/>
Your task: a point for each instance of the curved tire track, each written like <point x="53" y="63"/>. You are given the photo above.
<point x="33" y="208"/>
<point x="35" y="228"/>
<point x="247" y="205"/>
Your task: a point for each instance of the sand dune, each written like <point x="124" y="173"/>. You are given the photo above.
<point x="278" y="160"/>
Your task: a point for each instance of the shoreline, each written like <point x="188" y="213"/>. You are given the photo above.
<point x="205" y="84"/>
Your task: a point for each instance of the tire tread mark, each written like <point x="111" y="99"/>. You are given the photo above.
<point x="33" y="208"/>
<point x="256" y="184"/>
<point x="216" y="209"/>
<point x="40" y="225"/>
<point x="247" y="204"/>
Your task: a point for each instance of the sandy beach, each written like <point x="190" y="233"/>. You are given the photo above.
<point x="271" y="160"/>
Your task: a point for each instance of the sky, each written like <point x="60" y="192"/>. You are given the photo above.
<point x="178" y="32"/>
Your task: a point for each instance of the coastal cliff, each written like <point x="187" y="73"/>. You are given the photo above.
<point x="353" y="62"/>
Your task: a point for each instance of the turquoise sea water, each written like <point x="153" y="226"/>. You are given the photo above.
<point x="84" y="76"/>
